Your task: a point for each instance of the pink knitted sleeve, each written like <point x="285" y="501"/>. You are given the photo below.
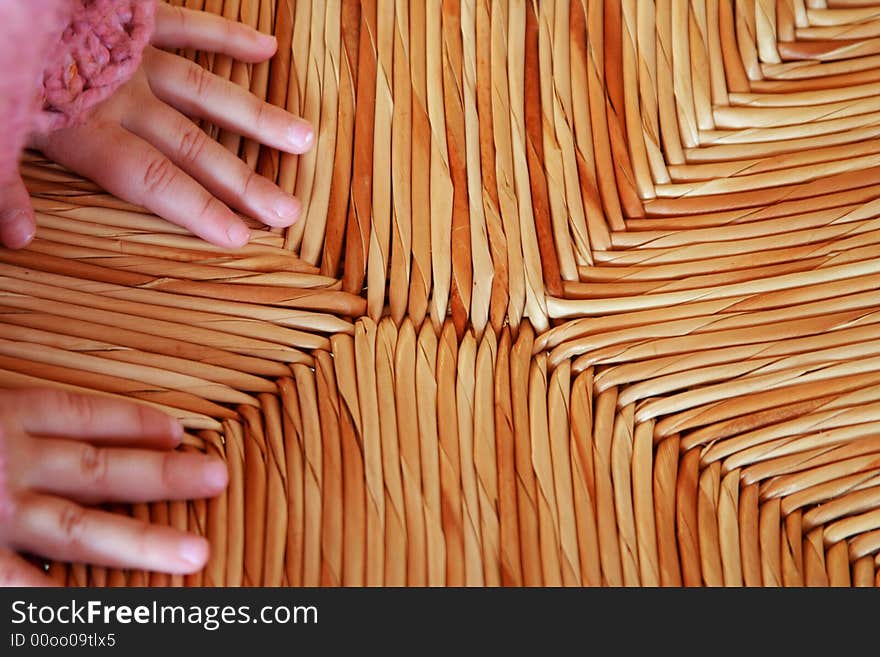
<point x="58" y="59"/>
<point x="100" y="49"/>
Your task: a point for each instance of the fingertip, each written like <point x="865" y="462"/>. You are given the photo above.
<point x="287" y="210"/>
<point x="175" y="430"/>
<point x="253" y="46"/>
<point x="17" y="228"/>
<point x="268" y="42"/>
<point x="301" y="136"/>
<point x="216" y="475"/>
<point x="150" y="425"/>
<point x="193" y="551"/>
<point x="237" y="235"/>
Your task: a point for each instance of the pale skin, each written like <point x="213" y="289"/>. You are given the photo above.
<point x="140" y="145"/>
<point x="62" y="453"/>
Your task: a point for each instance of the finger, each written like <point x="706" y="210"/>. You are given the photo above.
<point x="62" y="530"/>
<point x="17" y="225"/>
<point x="221" y="172"/>
<point x="59" y="413"/>
<point x="95" y="475"/>
<point x="197" y="92"/>
<point x="129" y="167"/>
<point x="177" y="27"/>
<point x="15" y="571"/>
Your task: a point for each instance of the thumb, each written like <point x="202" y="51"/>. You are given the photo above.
<point x="17" y="225"/>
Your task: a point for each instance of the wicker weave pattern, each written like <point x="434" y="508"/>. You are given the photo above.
<point x="586" y="293"/>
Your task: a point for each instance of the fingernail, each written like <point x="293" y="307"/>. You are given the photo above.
<point x="18" y="229"/>
<point x="238" y="235"/>
<point x="216" y="475"/>
<point x="301" y="136"/>
<point x="194" y="551"/>
<point x="288" y="208"/>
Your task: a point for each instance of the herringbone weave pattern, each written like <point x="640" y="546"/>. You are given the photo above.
<point x="586" y="293"/>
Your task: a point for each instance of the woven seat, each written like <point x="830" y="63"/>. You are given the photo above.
<point x="585" y="293"/>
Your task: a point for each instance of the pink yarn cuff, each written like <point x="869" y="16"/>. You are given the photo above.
<point x="99" y="50"/>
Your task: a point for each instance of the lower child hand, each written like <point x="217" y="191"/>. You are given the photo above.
<point x="60" y="453"/>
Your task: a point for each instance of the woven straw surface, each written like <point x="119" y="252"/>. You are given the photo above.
<point x="585" y="293"/>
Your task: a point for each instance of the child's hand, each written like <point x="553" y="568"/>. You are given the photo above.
<point x="139" y="145"/>
<point x="59" y="450"/>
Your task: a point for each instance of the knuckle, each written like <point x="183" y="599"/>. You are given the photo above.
<point x="7" y="503"/>
<point x="71" y="522"/>
<point x="167" y="471"/>
<point x="179" y="16"/>
<point x="210" y="209"/>
<point x="199" y="79"/>
<point x="247" y="184"/>
<point x="94" y="465"/>
<point x="261" y="114"/>
<point x="143" y="537"/>
<point x="78" y="409"/>
<point x="158" y="175"/>
<point x="192" y="143"/>
<point x="143" y="418"/>
<point x="230" y="31"/>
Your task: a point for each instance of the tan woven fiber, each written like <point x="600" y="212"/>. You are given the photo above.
<point x="586" y="293"/>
